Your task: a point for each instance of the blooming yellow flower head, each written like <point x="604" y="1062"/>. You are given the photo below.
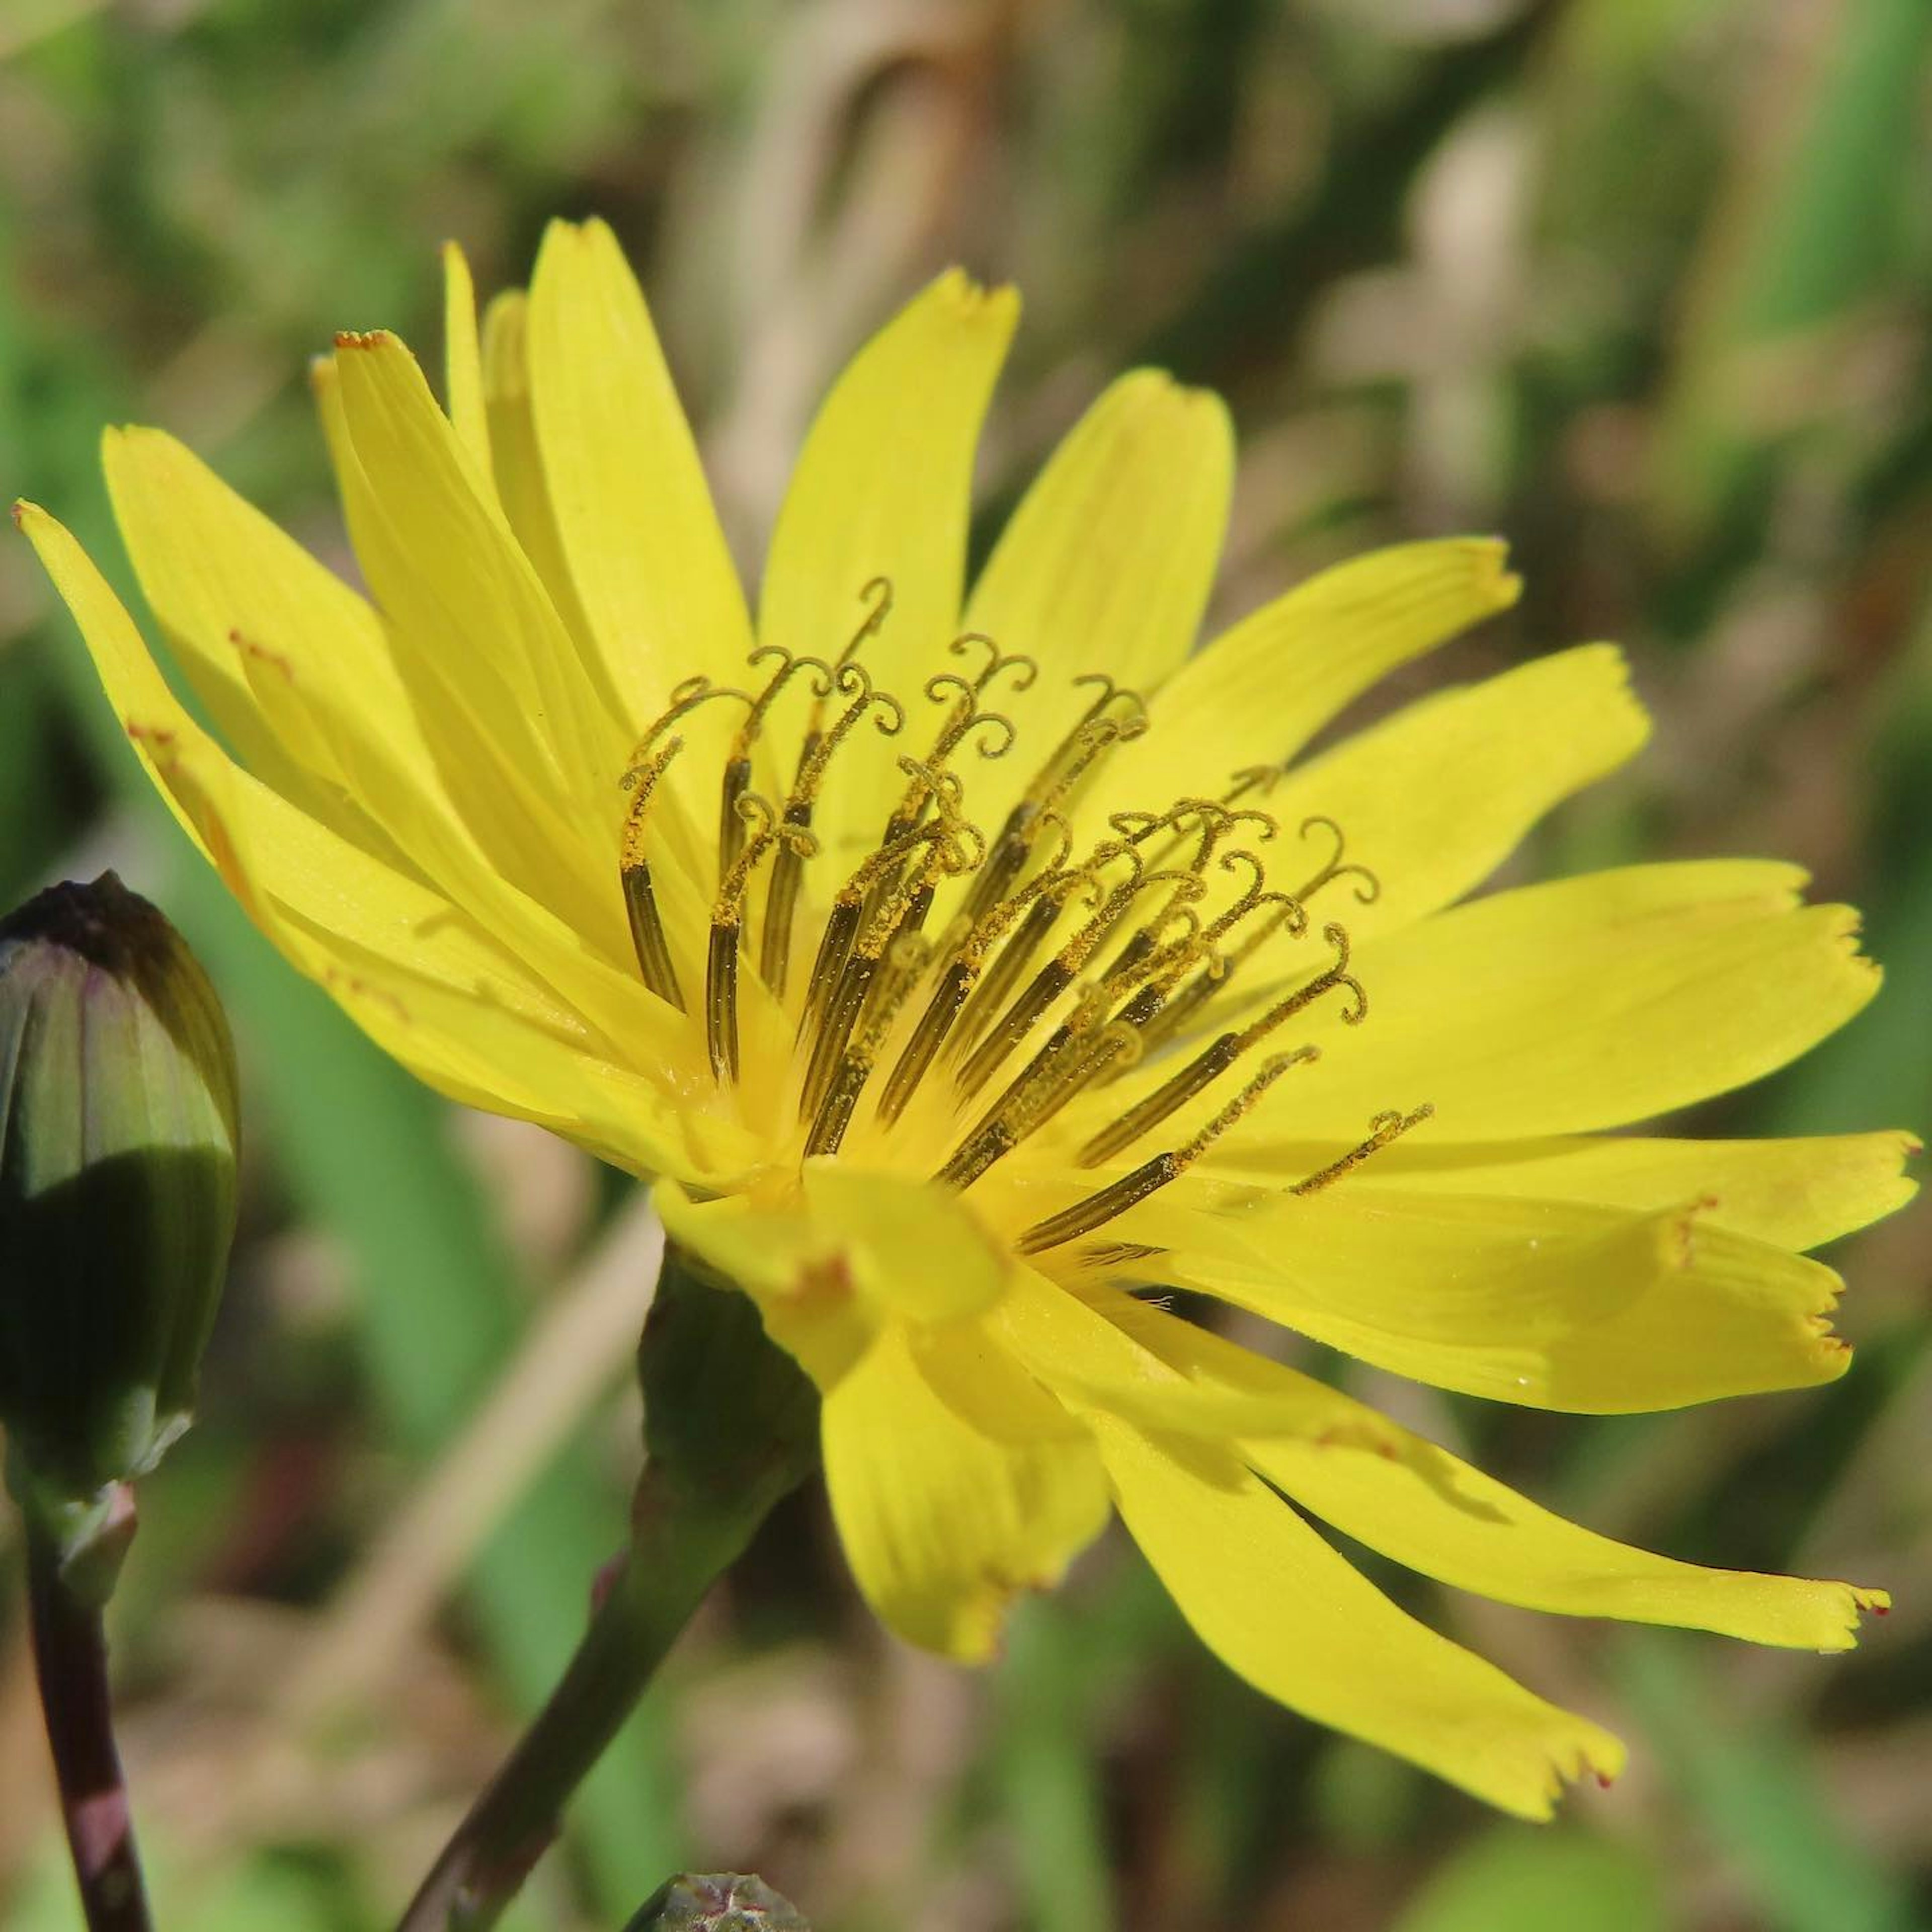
<point x="963" y="962"/>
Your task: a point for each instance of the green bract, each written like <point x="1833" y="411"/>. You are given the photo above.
<point x="117" y="1189"/>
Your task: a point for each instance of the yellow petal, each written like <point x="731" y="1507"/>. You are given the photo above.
<point x="222" y="581"/>
<point x="515" y="460"/>
<point x="1564" y="1008"/>
<point x="833" y="1262"/>
<point x="790" y="1265"/>
<point x="463" y="361"/>
<point x="247" y="610"/>
<point x="1260" y="691"/>
<point x="632" y="509"/>
<point x="915" y="1247"/>
<point x="1088" y="1346"/>
<point x="468" y="587"/>
<point x="1398" y="1494"/>
<point x="528" y="750"/>
<point x="1548" y="1304"/>
<point x="1796" y="1194"/>
<point x="883" y="488"/>
<point x="943" y="1525"/>
<point x="312" y="681"/>
<point x="1106" y="566"/>
<point x="1284" y="1611"/>
<point x="1433" y="801"/>
<point x="429" y="983"/>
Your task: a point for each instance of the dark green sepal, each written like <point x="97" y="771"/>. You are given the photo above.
<point x="117" y="1196"/>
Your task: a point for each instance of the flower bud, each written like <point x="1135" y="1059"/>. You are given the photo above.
<point x="117" y="1192"/>
<point x="718" y="1902"/>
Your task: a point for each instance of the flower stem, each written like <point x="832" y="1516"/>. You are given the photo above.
<point x="730" y="1427"/>
<point x="70" y="1666"/>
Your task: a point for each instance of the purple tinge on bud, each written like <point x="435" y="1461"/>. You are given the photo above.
<point x="718" y="1902"/>
<point x="117" y="1186"/>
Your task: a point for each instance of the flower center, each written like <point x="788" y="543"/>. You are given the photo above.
<point x="1058" y="972"/>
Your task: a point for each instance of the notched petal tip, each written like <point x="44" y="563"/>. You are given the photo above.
<point x="1843" y="1616"/>
<point x="364" y="338"/>
<point x="1596" y="1754"/>
<point x="973" y="300"/>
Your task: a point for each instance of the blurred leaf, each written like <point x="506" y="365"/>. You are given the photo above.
<point x="1750" y="1788"/>
<point x="1049" y="1781"/>
<point x="258" y="1893"/>
<point x="1517" y="1878"/>
<point x="1791" y="250"/>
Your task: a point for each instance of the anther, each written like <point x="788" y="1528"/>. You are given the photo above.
<point x="648" y="939"/>
<point x="904" y="961"/>
<point x="956" y="979"/>
<point x="1053" y="979"/>
<point x="847" y="917"/>
<point x="1288" y="914"/>
<point x="1003" y="978"/>
<point x="1222" y="1054"/>
<point x="896" y="917"/>
<point x="1114" y="1200"/>
<point x="788" y="867"/>
<point x="1064" y="1067"/>
<point x="1013" y="848"/>
<point x="1198" y="1074"/>
<point x="727" y="918"/>
<point x="1383" y="1129"/>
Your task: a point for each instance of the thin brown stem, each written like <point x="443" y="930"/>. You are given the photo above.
<point x="70" y="1666"/>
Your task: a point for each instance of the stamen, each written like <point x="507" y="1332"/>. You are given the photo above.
<point x="788" y="867"/>
<point x="1041" y="916"/>
<point x="1056" y="1074"/>
<point x="1221" y="1055"/>
<point x="731" y="821"/>
<point x="727" y="918"/>
<point x="1060" y="972"/>
<point x="1113" y="1201"/>
<point x="1037" y="808"/>
<point x="685" y="697"/>
<point x="844" y="1002"/>
<point x="1159" y="972"/>
<point x="1093" y="733"/>
<point x="1383" y="1128"/>
<point x="957" y="979"/>
<point x="878" y="594"/>
<point x="847" y="914"/>
<point x="1177" y="1013"/>
<point x="648" y="940"/>
<point x="998" y="662"/>
<point x="1304" y="996"/>
<point x="905" y="960"/>
<point x="1368" y="887"/>
<point x="1252" y="777"/>
<point x="1216" y="821"/>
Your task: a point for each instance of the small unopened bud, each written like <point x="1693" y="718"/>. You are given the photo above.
<point x="719" y="1902"/>
<point x="117" y="1194"/>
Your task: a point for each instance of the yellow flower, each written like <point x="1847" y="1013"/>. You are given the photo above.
<point x="961" y="962"/>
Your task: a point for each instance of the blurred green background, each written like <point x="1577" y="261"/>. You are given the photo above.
<point x="1643" y="284"/>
